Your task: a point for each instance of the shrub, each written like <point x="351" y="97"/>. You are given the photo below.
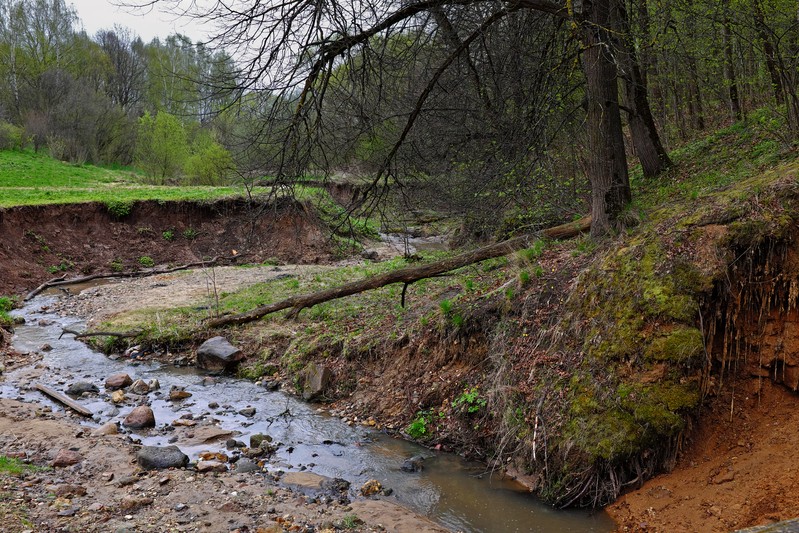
<point x="146" y="261"/>
<point x="209" y="164"/>
<point x="11" y="137"/>
<point x="118" y="208"/>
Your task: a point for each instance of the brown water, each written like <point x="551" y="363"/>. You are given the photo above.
<point x="458" y="494"/>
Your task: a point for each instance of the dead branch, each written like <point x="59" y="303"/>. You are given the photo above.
<point x="404" y="275"/>
<point x="58" y="282"/>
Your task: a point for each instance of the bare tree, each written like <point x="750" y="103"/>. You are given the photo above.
<point x="293" y="51"/>
<point x="126" y="81"/>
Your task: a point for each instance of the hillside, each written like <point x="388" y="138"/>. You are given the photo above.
<point x="583" y="368"/>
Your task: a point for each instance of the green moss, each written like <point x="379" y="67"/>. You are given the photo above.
<point x="678" y="346"/>
<point x="614" y="427"/>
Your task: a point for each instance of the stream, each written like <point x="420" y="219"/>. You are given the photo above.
<point x="457" y="494"/>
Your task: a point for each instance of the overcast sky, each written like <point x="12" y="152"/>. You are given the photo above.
<point x="103" y="14"/>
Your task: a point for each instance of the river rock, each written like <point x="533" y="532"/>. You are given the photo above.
<point x="118" y="396"/>
<point x="154" y="384"/>
<point x="316" y="380"/>
<point x="118" y="381"/>
<point x="109" y="428"/>
<point x="178" y="393"/>
<point x="414" y="464"/>
<point x="65" y="458"/>
<point x="159" y="458"/>
<point x="211" y="466"/>
<point x="257" y="440"/>
<point x="140" y="387"/>
<point x="66" y="490"/>
<point x="249" y="412"/>
<point x="217" y="355"/>
<point x="80" y="387"/>
<point x="246" y="466"/>
<point x="141" y="417"/>
<point x="371" y="487"/>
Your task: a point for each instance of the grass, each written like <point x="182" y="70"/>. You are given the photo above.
<point x="14" y="467"/>
<point x="27" y="178"/>
<point x="359" y="322"/>
<point x="728" y="156"/>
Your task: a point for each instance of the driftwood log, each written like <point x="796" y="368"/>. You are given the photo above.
<point x="58" y="282"/>
<point x="405" y="275"/>
<point x="69" y="402"/>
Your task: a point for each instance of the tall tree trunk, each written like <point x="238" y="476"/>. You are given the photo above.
<point x="645" y="137"/>
<point x="695" y="96"/>
<point x="729" y="67"/>
<point x="770" y="54"/>
<point x="610" y="184"/>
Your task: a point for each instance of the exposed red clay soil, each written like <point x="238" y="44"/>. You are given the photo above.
<point x="38" y="243"/>
<point x="738" y="470"/>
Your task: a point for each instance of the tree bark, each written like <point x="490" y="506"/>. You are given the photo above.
<point x="729" y="66"/>
<point x="607" y="165"/>
<point x="404" y="275"/>
<point x="769" y="52"/>
<point x="646" y="140"/>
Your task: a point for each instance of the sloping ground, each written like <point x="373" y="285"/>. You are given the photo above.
<point x="588" y="370"/>
<point x="591" y="374"/>
<point x="41" y="242"/>
<point x="738" y="469"/>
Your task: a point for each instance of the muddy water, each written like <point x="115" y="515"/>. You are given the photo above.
<point x="457" y="494"/>
<point x="409" y="245"/>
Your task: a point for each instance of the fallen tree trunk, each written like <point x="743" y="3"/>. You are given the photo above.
<point x="58" y="282"/>
<point x="405" y="275"/>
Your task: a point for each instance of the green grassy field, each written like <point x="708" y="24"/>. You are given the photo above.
<point x="27" y="178"/>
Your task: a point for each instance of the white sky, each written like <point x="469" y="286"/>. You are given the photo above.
<point x="103" y="14"/>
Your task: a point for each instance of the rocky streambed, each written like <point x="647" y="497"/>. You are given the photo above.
<point x="216" y="453"/>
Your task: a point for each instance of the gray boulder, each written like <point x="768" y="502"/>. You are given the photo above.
<point x="316" y="379"/>
<point x="79" y="387"/>
<point x="414" y="464"/>
<point x="217" y="355"/>
<point x="159" y="458"/>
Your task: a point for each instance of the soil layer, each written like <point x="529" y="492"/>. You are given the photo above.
<point x="38" y="243"/>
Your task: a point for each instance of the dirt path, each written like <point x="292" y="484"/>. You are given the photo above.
<point x="189" y="287"/>
<point x="739" y="470"/>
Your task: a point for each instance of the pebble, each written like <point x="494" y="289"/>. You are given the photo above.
<point x="66" y="458"/>
<point x="118" y="381"/>
<point x="109" y="428"/>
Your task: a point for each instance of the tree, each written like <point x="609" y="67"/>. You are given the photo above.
<point x="161" y="145"/>
<point x="125" y="83"/>
<point x="292" y="49"/>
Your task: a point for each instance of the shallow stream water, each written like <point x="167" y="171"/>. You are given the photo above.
<point x="455" y="493"/>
